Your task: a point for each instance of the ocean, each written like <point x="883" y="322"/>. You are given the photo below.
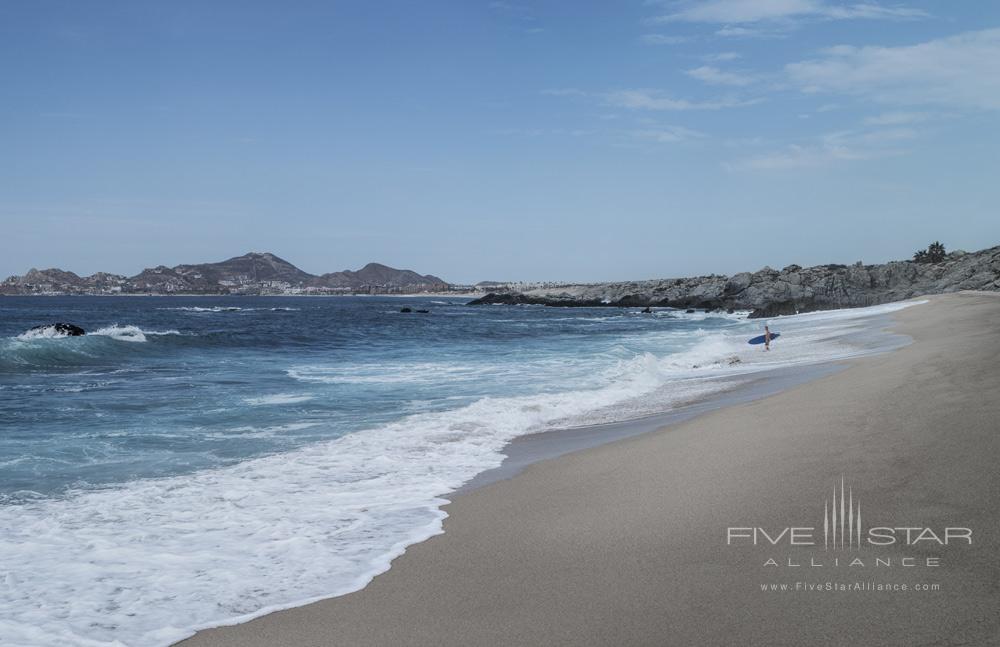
<point x="196" y="461"/>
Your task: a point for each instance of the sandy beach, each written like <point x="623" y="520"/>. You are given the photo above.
<point x="626" y="543"/>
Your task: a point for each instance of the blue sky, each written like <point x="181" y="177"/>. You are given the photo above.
<point x="497" y="140"/>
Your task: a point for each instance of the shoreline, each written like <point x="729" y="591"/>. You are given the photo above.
<point x="525" y="452"/>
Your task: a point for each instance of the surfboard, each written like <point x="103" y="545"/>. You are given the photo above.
<point x="760" y="340"/>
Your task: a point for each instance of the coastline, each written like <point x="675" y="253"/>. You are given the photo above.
<point x="620" y="542"/>
<point x="524" y="451"/>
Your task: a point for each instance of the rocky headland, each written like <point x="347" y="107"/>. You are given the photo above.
<point x="769" y="292"/>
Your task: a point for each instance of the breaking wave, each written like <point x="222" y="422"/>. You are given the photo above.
<point x="229" y="309"/>
<point x="47" y="348"/>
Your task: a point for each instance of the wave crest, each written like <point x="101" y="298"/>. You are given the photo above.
<point x="46" y="348"/>
<point x="130" y="333"/>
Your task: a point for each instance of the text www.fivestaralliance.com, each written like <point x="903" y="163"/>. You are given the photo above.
<point x="869" y="586"/>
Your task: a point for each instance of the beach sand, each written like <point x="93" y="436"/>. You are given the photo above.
<point x="625" y="543"/>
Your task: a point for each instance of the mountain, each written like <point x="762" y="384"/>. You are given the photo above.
<point x="253" y="270"/>
<point x="253" y="273"/>
<point x="768" y="292"/>
<point x="56" y="281"/>
<point x="378" y="274"/>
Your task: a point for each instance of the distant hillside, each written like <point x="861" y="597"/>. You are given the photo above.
<point x="253" y="273"/>
<point x="376" y="274"/>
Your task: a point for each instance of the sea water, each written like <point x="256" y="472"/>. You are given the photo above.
<point x="192" y="462"/>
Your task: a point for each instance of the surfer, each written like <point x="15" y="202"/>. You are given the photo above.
<point x="767" y="338"/>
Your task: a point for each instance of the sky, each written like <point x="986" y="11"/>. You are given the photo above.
<point x="479" y="140"/>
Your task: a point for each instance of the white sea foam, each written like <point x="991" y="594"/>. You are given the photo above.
<point x="262" y="432"/>
<point x="278" y="398"/>
<point x="130" y="333"/>
<point x="701" y="315"/>
<point x="209" y="309"/>
<point x="229" y="309"/>
<point x="148" y="562"/>
<point x="46" y="332"/>
<point x="121" y="333"/>
<point x="383" y="373"/>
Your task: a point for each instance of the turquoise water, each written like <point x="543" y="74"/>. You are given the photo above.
<point x="191" y="461"/>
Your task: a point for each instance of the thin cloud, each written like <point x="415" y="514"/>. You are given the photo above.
<point x="541" y="132"/>
<point x="874" y="11"/>
<point x="761" y="33"/>
<point x="663" y="39"/>
<point x="653" y="100"/>
<point x="643" y="99"/>
<point x="716" y="76"/>
<point x="832" y="148"/>
<point x="721" y="57"/>
<point x="564" y="92"/>
<point x="739" y="12"/>
<point x="669" y="134"/>
<point x="961" y="71"/>
<point x="896" y="118"/>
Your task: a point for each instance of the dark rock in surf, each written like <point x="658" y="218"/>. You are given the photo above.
<point x="405" y="310"/>
<point x="64" y="329"/>
<point x="423" y="312"/>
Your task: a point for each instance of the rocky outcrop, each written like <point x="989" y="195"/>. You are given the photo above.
<point x="253" y="273"/>
<point x="56" y="330"/>
<point x="769" y="292"/>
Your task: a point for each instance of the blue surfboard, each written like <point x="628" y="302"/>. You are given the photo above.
<point x="760" y="340"/>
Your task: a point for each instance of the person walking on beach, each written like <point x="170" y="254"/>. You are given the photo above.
<point x="767" y="338"/>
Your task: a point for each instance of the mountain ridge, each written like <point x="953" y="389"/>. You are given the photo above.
<point x="250" y="273"/>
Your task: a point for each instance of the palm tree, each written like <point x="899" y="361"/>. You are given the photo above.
<point x="935" y="253"/>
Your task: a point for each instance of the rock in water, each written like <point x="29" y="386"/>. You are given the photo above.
<point x="63" y="329"/>
<point x="405" y="310"/>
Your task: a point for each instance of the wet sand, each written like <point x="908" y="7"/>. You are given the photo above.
<point x="625" y="543"/>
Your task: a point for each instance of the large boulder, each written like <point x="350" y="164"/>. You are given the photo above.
<point x="59" y="330"/>
<point x="737" y="283"/>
